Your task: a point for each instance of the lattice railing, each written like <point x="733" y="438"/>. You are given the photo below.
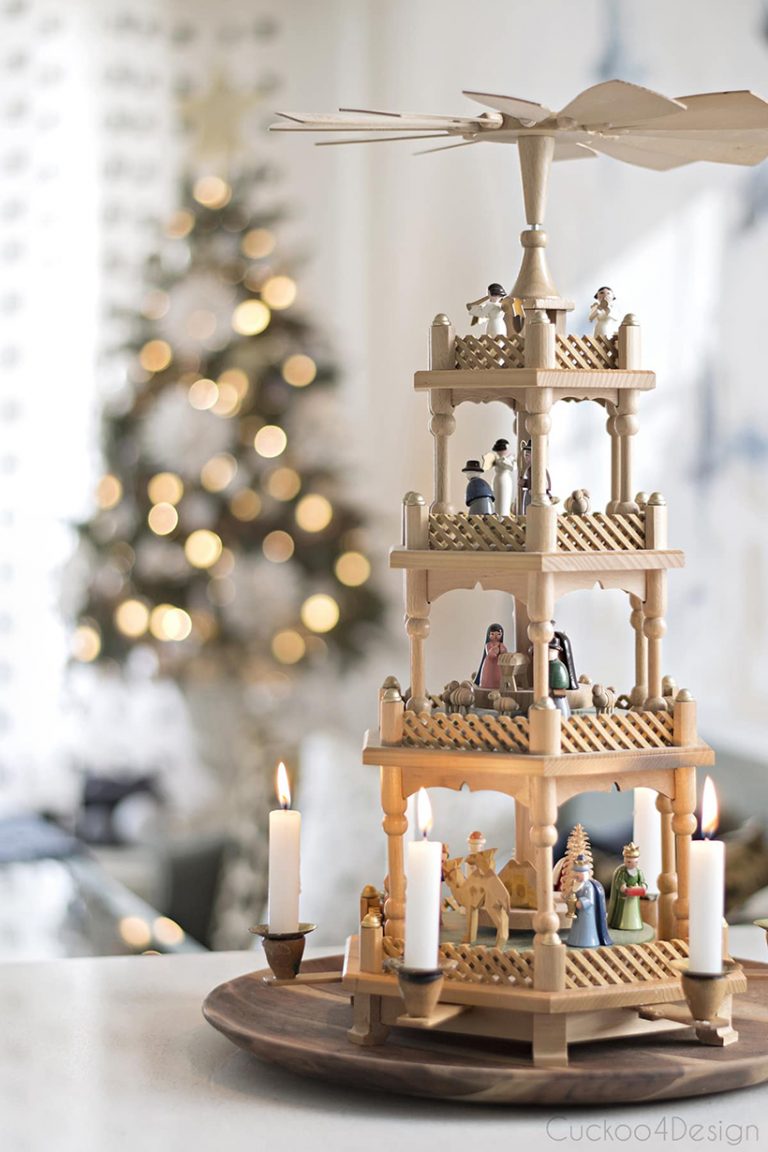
<point x="619" y="732"/>
<point x="584" y="967"/>
<point x="591" y="352"/>
<point x="478" y="733"/>
<point x="477" y="352"/>
<point x="461" y="532"/>
<point x="598" y="532"/>
<point x="601" y="533"/>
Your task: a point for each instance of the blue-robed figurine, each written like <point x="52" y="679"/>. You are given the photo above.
<point x="479" y="496"/>
<point x="590" y="927"/>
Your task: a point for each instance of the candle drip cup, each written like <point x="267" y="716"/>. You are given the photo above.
<point x="283" y="950"/>
<point x="420" y="988"/>
<point x="704" y="994"/>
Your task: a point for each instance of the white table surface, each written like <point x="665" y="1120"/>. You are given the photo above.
<point x="112" y="1054"/>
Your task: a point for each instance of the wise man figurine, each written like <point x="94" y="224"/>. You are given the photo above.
<point x="589" y="928"/>
<point x="626" y="889"/>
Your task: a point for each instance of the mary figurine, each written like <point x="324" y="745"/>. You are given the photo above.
<point x="590" y="927"/>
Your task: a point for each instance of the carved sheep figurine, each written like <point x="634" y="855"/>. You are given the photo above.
<point x="451" y="686"/>
<point x="603" y="699"/>
<point x="461" y="699"/>
<point x="578" y="502"/>
<point x="503" y="704"/>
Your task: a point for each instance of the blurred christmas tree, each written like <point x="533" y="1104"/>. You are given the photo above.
<point x="223" y="538"/>
<point x="225" y="551"/>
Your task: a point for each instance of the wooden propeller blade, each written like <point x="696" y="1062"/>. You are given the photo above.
<point x="618" y="103"/>
<point x="511" y="106"/>
<point x="715" y="111"/>
<point x="445" y="147"/>
<point x="566" y="149"/>
<point x="336" y="122"/>
<point x="380" y="139"/>
<point x="631" y="151"/>
<point x="417" y="116"/>
<point x="742" y="148"/>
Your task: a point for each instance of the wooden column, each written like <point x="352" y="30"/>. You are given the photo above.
<point x="548" y="949"/>
<point x="626" y="426"/>
<point x="416" y="536"/>
<point x="541" y="609"/>
<point x="395" y="824"/>
<point x="443" y="423"/>
<point x="538" y="425"/>
<point x="610" y="424"/>
<point x="639" y="692"/>
<point x="523" y="848"/>
<point x="654" y="628"/>
<point x="668" y="877"/>
<point x="683" y="826"/>
<point x="656" y="523"/>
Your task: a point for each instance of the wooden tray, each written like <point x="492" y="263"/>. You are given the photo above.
<point x="303" y="1027"/>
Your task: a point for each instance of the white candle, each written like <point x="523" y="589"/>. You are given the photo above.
<point x="284" y="860"/>
<point x="646" y="833"/>
<point x="707" y="892"/>
<point x="422" y="897"/>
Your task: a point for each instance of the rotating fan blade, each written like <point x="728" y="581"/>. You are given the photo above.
<point x="525" y="110"/>
<point x="717" y="111"/>
<point x="445" y="147"/>
<point x="571" y="150"/>
<point x="453" y="121"/>
<point x="740" y="148"/>
<point x="337" y="122"/>
<point x="618" y="103"/>
<point x="381" y="139"/>
<point x="629" y="150"/>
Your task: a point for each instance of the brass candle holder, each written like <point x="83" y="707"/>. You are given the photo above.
<point x="420" y="988"/>
<point x="704" y="994"/>
<point x="283" y="950"/>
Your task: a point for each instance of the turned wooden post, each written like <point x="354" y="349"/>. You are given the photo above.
<point x="654" y="628"/>
<point x="656" y="523"/>
<point x="668" y="877"/>
<point x="610" y="424"/>
<point x="442" y="425"/>
<point x="548" y="949"/>
<point x="538" y="423"/>
<point x="683" y="826"/>
<point x="626" y="426"/>
<point x="539" y="340"/>
<point x="628" y="343"/>
<point x="541" y="609"/>
<point x="416" y="535"/>
<point x="394" y="804"/>
<point x="639" y="692"/>
<point x="523" y="847"/>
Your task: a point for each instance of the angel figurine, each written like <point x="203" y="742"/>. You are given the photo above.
<point x="601" y="313"/>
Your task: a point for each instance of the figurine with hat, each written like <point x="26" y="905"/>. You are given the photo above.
<point x="590" y="928"/>
<point x="626" y="889"/>
<point x="479" y="496"/>
<point x="488" y="310"/>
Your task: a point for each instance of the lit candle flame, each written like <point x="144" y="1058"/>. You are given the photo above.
<point x="423" y="813"/>
<point x="282" y="786"/>
<point x="709" y="809"/>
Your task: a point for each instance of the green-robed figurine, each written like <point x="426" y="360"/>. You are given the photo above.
<point x="626" y="889"/>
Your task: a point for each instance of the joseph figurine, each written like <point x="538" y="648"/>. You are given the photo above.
<point x="627" y="888"/>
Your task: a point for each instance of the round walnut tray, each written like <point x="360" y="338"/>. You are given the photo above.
<point x="303" y="1027"/>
